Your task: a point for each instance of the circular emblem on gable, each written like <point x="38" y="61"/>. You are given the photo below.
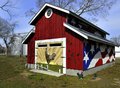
<point x="48" y="13"/>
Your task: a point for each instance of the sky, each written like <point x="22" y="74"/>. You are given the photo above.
<point x="111" y="23"/>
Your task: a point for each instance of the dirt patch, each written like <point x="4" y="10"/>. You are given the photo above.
<point x="117" y="82"/>
<point x="96" y="79"/>
<point x="25" y="73"/>
<point x="116" y="79"/>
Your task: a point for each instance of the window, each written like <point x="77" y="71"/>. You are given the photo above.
<point x="98" y="34"/>
<point x="48" y="13"/>
<point x="44" y="45"/>
<point x="56" y="44"/>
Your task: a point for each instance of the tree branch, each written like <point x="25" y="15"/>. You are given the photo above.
<point x="68" y="3"/>
<point x="6" y="8"/>
<point x="95" y="7"/>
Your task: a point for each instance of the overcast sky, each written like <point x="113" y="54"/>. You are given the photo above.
<point x="111" y="23"/>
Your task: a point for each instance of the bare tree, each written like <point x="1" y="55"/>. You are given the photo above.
<point x="6" y="34"/>
<point x="6" y="6"/>
<point x="30" y="12"/>
<point x="116" y="40"/>
<point x="80" y="7"/>
<point x="2" y="49"/>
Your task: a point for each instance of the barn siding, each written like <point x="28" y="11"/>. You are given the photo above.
<point x="74" y="51"/>
<point x="31" y="49"/>
<point x="50" y="28"/>
<point x="53" y="28"/>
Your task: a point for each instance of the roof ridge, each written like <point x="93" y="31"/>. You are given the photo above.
<point x="67" y="12"/>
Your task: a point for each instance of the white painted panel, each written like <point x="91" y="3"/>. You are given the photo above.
<point x="25" y="47"/>
<point x="117" y="51"/>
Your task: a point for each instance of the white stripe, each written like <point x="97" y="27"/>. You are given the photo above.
<point x="112" y="58"/>
<point x="105" y="59"/>
<point x="92" y="63"/>
<point x="95" y="60"/>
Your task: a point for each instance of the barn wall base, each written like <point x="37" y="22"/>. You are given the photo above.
<point x="96" y="69"/>
<point x="30" y="66"/>
<point x="88" y="72"/>
<point x="72" y="72"/>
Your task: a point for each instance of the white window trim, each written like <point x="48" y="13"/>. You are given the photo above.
<point x="46" y="15"/>
<point x="53" y="40"/>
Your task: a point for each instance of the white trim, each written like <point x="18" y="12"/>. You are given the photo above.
<point x="53" y="40"/>
<point x="55" y="7"/>
<point x="72" y="29"/>
<point x="94" y="38"/>
<point x="87" y="35"/>
<point x="30" y="66"/>
<point x="46" y="15"/>
<point x="64" y="55"/>
<point x="36" y="46"/>
<point x="31" y="31"/>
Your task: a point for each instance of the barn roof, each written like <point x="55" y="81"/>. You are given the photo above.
<point x="44" y="6"/>
<point x="87" y="35"/>
<point x="33" y="20"/>
<point x="28" y="35"/>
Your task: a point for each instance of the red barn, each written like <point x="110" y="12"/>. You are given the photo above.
<point x="71" y="43"/>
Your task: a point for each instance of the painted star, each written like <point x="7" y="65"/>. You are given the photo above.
<point x="86" y="58"/>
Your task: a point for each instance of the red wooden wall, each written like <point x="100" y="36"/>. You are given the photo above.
<point x="31" y="50"/>
<point x="53" y="28"/>
<point x="74" y="51"/>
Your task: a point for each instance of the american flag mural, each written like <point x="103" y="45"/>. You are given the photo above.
<point x="97" y="54"/>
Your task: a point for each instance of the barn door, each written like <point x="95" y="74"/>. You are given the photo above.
<point x="51" y="48"/>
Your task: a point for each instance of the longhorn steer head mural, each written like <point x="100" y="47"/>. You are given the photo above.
<point x="49" y="57"/>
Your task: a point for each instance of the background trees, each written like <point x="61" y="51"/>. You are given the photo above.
<point x="6" y="34"/>
<point x="94" y="8"/>
<point x="116" y="40"/>
<point x="7" y="28"/>
<point x="6" y="6"/>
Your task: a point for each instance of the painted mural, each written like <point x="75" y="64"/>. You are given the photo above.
<point x="41" y="57"/>
<point x="97" y="54"/>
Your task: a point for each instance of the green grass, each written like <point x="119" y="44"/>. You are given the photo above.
<point x="52" y="67"/>
<point x="14" y="75"/>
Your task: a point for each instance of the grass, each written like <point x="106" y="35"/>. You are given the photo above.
<point x="14" y="75"/>
<point x="52" y="67"/>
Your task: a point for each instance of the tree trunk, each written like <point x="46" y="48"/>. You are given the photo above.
<point x="7" y="51"/>
<point x="7" y="47"/>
